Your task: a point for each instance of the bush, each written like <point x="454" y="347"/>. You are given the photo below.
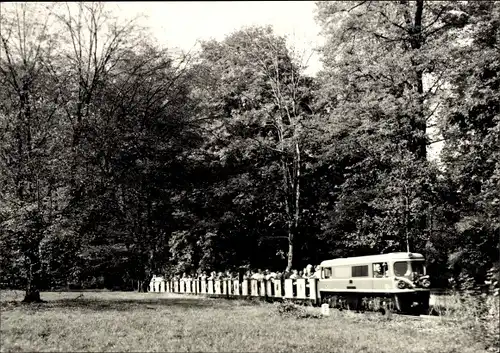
<point x="490" y="324"/>
<point x="491" y="318"/>
<point x="477" y="312"/>
<point x="293" y="310"/>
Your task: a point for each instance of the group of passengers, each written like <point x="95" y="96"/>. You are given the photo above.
<point x="308" y="272"/>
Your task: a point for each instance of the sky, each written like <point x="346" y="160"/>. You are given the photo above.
<point x="181" y="24"/>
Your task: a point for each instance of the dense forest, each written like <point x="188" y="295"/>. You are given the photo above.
<point x="120" y="159"/>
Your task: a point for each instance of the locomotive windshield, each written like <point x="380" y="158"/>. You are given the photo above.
<point x="405" y="268"/>
<point x="418" y="267"/>
<point x="401" y="268"/>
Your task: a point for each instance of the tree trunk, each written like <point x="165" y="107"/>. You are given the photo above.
<point x="288" y="215"/>
<point x="141" y="288"/>
<point x="32" y="296"/>
<point x="293" y="225"/>
<point x="290" y="252"/>
<point x="418" y="144"/>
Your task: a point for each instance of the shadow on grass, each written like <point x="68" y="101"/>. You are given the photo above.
<point x="94" y="304"/>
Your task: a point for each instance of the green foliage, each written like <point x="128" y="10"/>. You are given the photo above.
<point x="471" y="154"/>
<point x="256" y="101"/>
<point x="289" y="309"/>
<point x="386" y="77"/>
<point x="121" y="163"/>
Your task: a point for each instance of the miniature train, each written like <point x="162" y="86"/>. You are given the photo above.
<point x="395" y="281"/>
<point x="389" y="282"/>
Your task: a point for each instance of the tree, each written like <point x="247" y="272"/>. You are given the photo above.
<point x="33" y="138"/>
<point x="261" y="98"/>
<point x="93" y="43"/>
<point x="94" y="142"/>
<point x="471" y="155"/>
<point x="136" y="152"/>
<point x="385" y="67"/>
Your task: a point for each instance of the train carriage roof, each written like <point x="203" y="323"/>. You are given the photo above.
<point x="361" y="260"/>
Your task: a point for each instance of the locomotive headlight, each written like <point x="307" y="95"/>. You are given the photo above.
<point x="401" y="285"/>
<point x="426" y="283"/>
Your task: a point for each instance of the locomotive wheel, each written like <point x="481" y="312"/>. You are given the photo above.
<point x="425" y="309"/>
<point x="333" y="303"/>
<point x="363" y="305"/>
<point x="345" y="304"/>
<point x="388" y="307"/>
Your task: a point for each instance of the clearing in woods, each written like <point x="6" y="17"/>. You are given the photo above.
<point x="148" y="322"/>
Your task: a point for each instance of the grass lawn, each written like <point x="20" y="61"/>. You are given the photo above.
<point x="143" y="322"/>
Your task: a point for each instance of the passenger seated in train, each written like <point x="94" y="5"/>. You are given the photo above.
<point x="317" y="272"/>
<point x="308" y="271"/>
<point x="270" y="275"/>
<point x="258" y="275"/>
<point x="380" y="270"/>
<point x="295" y="275"/>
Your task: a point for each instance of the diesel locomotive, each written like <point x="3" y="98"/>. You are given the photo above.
<point x="389" y="282"/>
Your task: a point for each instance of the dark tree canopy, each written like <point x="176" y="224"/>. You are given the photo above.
<point x="120" y="159"/>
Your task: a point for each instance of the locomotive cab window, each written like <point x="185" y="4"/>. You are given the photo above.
<point x="360" y="271"/>
<point x="380" y="270"/>
<point x="418" y="267"/>
<point x="401" y="268"/>
<point x="327" y="272"/>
